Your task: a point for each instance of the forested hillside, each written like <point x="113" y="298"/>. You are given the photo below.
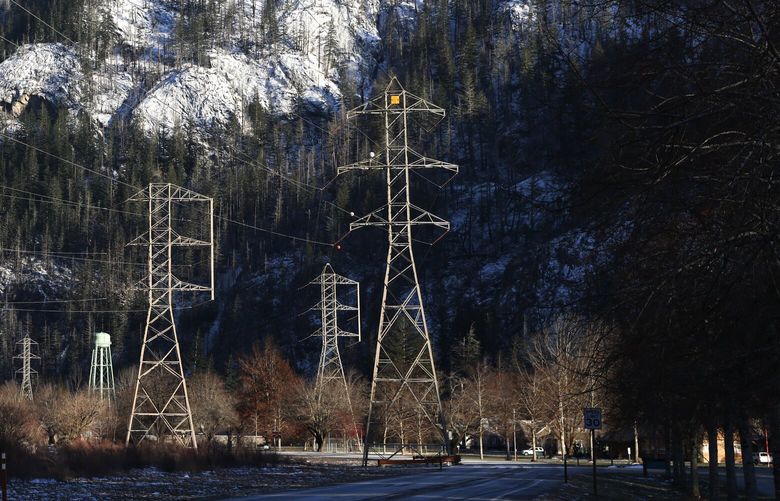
<point x="269" y="164"/>
<point x="617" y="163"/>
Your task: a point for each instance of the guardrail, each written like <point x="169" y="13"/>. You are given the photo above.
<point x="400" y="454"/>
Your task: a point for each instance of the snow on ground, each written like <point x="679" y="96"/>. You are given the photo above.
<point x="405" y="11"/>
<point x="35" y="276"/>
<point x="46" y="70"/>
<point x="299" y="72"/>
<point x="142" y="24"/>
<point x="337" y="33"/>
<point x="112" y="87"/>
<point x="519" y="12"/>
<point x="202" y="98"/>
<point x="151" y="483"/>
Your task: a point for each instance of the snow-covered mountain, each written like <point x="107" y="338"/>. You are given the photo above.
<point x="316" y="44"/>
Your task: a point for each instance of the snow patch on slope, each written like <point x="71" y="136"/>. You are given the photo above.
<point x="46" y="70"/>
<point x="33" y="276"/>
<point x="142" y="24"/>
<point x="338" y="33"/>
<point x="519" y="12"/>
<point x="201" y="98"/>
<point x="52" y="72"/>
<point x="112" y="87"/>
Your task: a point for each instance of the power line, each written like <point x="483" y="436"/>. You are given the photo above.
<point x="51" y="301"/>
<point x="52" y="199"/>
<point x="246" y="161"/>
<point x="257" y="163"/>
<point x="175" y="308"/>
<point x="9" y="41"/>
<point x="44" y="22"/>
<point x="69" y="162"/>
<point x="110" y="178"/>
<point x="67" y="256"/>
<point x="35" y="310"/>
<point x="272" y="232"/>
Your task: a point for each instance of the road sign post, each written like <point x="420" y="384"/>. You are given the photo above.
<point x="3" y="477"/>
<point x="592" y="422"/>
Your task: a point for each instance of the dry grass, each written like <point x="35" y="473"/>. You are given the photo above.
<point x="617" y="488"/>
<point x="88" y="459"/>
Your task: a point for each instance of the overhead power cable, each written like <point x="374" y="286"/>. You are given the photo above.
<point x="44" y="22"/>
<point x="68" y="256"/>
<point x="113" y="179"/>
<point x="52" y="199"/>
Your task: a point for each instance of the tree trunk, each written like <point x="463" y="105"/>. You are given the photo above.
<point x="679" y="458"/>
<point x="748" y="469"/>
<point x="668" y="451"/>
<point x="731" y="466"/>
<point x="533" y="442"/>
<point x="636" y="443"/>
<point x="481" y="450"/>
<point x="563" y="429"/>
<point x="774" y="433"/>
<point x="695" y="492"/>
<point x="712" y="438"/>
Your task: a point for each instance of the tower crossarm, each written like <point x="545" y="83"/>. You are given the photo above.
<point x="416" y="161"/>
<point x="176" y="240"/>
<point x="415" y="217"/>
<point x="170" y="192"/>
<point x="342" y="333"/>
<point x="385" y="103"/>
<point x="333" y="305"/>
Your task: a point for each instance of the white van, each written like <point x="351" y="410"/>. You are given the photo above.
<point x="762" y="458"/>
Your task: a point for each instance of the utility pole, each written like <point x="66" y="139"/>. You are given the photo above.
<point x="101" y="372"/>
<point x="330" y="369"/>
<point x="26" y="354"/>
<point x="161" y="405"/>
<point x="404" y="370"/>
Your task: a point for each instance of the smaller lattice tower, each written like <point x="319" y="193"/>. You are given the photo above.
<point x="330" y="368"/>
<point x="27" y="349"/>
<point x="330" y="372"/>
<point x="101" y="372"/>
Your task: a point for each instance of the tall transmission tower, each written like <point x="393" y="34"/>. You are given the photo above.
<point x="26" y="354"/>
<point x="161" y="405"/>
<point x="101" y="372"/>
<point x="404" y="376"/>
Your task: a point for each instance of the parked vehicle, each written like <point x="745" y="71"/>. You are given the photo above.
<point x="762" y="458"/>
<point x="530" y="451"/>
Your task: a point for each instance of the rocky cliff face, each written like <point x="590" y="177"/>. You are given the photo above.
<point x="295" y="59"/>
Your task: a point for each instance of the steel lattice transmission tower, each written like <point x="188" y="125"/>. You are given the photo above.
<point x="330" y="368"/>
<point x="330" y="371"/>
<point x="101" y="371"/>
<point x="404" y="371"/>
<point x="26" y="354"/>
<point x="161" y="404"/>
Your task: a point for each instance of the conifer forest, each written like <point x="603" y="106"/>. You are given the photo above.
<point x="265" y="236"/>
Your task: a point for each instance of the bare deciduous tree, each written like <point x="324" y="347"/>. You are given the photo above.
<point x="213" y="407"/>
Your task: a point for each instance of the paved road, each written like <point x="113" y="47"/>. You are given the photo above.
<point x="468" y="481"/>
